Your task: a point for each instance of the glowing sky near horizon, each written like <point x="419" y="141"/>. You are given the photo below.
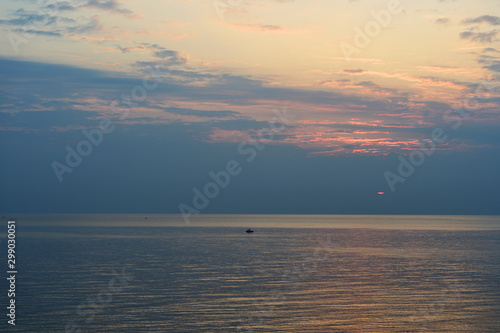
<point x="250" y="57"/>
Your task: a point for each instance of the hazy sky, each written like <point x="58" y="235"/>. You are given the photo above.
<point x="309" y="106"/>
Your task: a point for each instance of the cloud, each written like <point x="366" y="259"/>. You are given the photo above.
<point x="203" y="113"/>
<point x="490" y="49"/>
<point x="454" y="70"/>
<point x="424" y="81"/>
<point x="38" y="32"/>
<point x="129" y="49"/>
<point x="261" y="28"/>
<point x="377" y="88"/>
<point x="493" y="20"/>
<point x="353" y="71"/>
<point x="43" y="21"/>
<point x="170" y="56"/>
<point x="443" y="21"/>
<point x="228" y="102"/>
<point x="51" y="25"/>
<point x="482" y="37"/>
<point x="92" y="25"/>
<point x="493" y="66"/>
<point x="34" y="19"/>
<point x="60" y="6"/>
<point x="110" y="6"/>
<point x="362" y="88"/>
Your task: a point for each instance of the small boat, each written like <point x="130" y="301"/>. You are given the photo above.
<point x="249" y="231"/>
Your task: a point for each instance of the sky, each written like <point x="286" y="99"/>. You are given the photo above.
<point x="258" y="107"/>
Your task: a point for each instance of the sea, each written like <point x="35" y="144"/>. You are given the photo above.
<point x="294" y="273"/>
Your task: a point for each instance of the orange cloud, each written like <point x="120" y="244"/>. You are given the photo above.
<point x="262" y="28"/>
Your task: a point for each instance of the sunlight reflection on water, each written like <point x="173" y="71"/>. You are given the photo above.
<point x="219" y="279"/>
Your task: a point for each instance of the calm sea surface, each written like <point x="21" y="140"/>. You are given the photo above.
<point x="300" y="273"/>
